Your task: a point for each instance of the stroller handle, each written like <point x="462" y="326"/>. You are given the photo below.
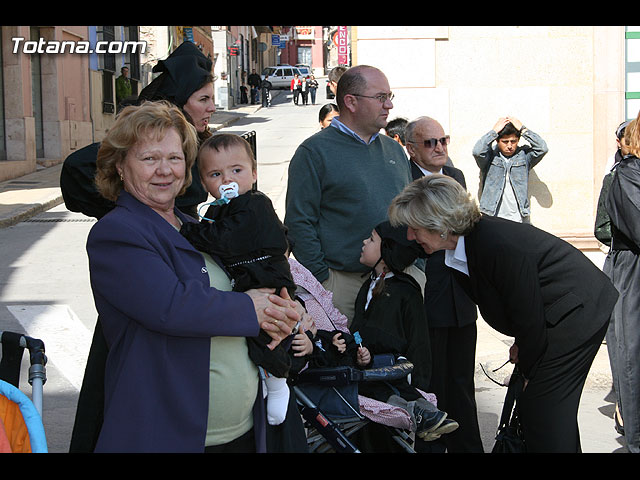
<point x="37" y="357"/>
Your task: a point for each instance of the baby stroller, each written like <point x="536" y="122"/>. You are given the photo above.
<point x="334" y="411"/>
<point x="21" y="428"/>
<point x="328" y="398"/>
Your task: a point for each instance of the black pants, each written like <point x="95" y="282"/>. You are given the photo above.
<point x="549" y="404"/>
<point x="453" y="353"/>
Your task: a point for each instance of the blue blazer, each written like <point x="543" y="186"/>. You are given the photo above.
<point x="158" y="312"/>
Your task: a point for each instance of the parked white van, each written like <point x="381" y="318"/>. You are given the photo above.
<point x="281" y="75"/>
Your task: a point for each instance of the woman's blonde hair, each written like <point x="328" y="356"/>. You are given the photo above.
<point x="632" y="136"/>
<point x="133" y="124"/>
<point x="437" y="203"/>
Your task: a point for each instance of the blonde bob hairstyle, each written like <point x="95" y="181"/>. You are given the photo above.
<point x="437" y="203"/>
<point x="134" y="123"/>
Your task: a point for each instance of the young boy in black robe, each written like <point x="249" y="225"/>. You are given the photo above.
<point x="390" y="319"/>
<point x="242" y="229"/>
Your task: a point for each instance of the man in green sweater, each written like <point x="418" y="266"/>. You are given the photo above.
<point x="341" y="182"/>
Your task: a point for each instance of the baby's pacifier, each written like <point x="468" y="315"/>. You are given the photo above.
<point x="228" y="191"/>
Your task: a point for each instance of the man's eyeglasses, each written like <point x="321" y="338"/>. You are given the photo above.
<point x="432" y="142"/>
<point x="383" y="97"/>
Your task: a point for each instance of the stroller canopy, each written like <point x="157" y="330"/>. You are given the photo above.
<point x="21" y="428"/>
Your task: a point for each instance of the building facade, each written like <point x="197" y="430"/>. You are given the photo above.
<point x="44" y="97"/>
<point x="57" y="85"/>
<point x="239" y="50"/>
<point x="573" y="85"/>
<point x="305" y="46"/>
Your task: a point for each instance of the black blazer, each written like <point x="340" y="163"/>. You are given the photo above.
<point x="533" y="286"/>
<point x="446" y="302"/>
<point x="448" y="170"/>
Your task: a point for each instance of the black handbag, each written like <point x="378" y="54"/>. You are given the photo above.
<point x="509" y="438"/>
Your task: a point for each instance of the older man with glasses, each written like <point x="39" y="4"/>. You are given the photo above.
<point x="427" y="147"/>
<point x="451" y="314"/>
<point x="341" y="182"/>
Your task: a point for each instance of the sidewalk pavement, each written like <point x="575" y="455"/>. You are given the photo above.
<point x="493" y="350"/>
<point x="22" y="198"/>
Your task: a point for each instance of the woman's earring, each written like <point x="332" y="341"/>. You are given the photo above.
<point x="443" y="235"/>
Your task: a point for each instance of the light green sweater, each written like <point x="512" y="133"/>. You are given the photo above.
<point x="338" y="190"/>
<point x="233" y="378"/>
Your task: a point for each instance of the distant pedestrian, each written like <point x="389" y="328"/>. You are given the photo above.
<point x="296" y="86"/>
<point x="304" y="90"/>
<point x="254" y="82"/>
<point x="266" y="91"/>
<point x="244" y="97"/>
<point x="313" y="87"/>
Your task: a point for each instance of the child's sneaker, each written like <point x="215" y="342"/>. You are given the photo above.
<point x="432" y="425"/>
<point x="447" y="426"/>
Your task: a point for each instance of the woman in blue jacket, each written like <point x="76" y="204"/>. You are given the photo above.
<point x="177" y="376"/>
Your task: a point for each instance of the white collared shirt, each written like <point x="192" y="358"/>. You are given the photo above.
<point x="424" y="171"/>
<point x="457" y="258"/>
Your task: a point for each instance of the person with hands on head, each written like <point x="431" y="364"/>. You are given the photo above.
<point x="529" y="285"/>
<point x="505" y="168"/>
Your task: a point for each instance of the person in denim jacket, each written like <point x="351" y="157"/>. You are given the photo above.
<point x="507" y="164"/>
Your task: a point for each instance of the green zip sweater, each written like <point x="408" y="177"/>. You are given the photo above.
<point x="338" y="190"/>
